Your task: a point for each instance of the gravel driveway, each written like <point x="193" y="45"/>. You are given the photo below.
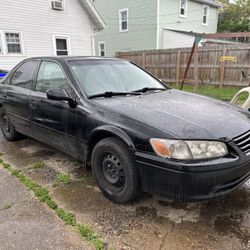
<point x="149" y="223"/>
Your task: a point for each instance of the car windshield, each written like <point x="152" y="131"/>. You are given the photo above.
<point x="100" y="76"/>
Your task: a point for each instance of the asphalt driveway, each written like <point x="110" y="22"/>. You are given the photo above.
<point x="149" y="223"/>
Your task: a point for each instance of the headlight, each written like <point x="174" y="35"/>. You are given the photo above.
<point x="188" y="150"/>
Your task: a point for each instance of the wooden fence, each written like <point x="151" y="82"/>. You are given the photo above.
<point x="211" y="65"/>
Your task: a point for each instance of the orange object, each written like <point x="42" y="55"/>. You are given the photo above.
<point x="161" y="148"/>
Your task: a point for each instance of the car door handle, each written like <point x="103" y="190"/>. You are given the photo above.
<point x="33" y="107"/>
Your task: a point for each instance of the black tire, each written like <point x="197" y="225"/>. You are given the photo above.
<point x="113" y="166"/>
<point x="7" y="127"/>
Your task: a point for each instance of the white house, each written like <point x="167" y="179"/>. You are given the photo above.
<point x="45" y="28"/>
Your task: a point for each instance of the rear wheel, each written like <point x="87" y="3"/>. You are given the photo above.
<point x="114" y="169"/>
<point x="7" y="127"/>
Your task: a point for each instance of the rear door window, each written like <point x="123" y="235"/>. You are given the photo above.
<point x="50" y="76"/>
<point x="24" y="75"/>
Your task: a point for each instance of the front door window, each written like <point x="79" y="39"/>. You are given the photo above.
<point x="50" y="76"/>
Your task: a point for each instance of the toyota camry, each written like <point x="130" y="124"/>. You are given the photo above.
<point x="135" y="133"/>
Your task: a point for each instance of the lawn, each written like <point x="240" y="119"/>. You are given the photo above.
<point x="225" y="93"/>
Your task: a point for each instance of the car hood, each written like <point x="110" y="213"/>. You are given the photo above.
<point x="185" y="115"/>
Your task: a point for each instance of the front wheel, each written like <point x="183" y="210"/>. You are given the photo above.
<point x="7" y="127"/>
<point x="114" y="169"/>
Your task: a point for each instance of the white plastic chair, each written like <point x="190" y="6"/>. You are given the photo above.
<point x="246" y="104"/>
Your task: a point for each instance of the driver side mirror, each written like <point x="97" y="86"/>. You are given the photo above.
<point x="60" y="95"/>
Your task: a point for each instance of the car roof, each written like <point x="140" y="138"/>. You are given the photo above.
<point x="75" y="58"/>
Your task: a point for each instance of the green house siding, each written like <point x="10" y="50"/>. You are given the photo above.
<point x="147" y="19"/>
<point x="141" y="33"/>
<point x="169" y="18"/>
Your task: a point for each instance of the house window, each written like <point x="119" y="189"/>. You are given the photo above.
<point x="62" y="46"/>
<point x="57" y="4"/>
<point x="183" y="8"/>
<point x="205" y="13"/>
<point x="13" y="43"/>
<point x="102" y="49"/>
<point x="123" y="20"/>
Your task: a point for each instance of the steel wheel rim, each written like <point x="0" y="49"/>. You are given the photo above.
<point x="113" y="171"/>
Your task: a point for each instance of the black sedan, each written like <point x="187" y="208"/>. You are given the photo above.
<point x="135" y="133"/>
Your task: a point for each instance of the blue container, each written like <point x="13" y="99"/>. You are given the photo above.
<point x="3" y="73"/>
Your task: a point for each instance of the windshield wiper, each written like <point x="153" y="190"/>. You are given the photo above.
<point x="110" y="94"/>
<point x="146" y="89"/>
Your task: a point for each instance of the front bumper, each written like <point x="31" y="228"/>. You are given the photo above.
<point x="191" y="181"/>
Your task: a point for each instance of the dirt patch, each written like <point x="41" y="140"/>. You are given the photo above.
<point x="231" y="225"/>
<point x="43" y="176"/>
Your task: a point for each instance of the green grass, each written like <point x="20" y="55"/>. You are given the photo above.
<point x="225" y="93"/>
<point x="87" y="232"/>
<point x="67" y="217"/>
<point x="36" y="165"/>
<point x="62" y="178"/>
<point x="43" y="195"/>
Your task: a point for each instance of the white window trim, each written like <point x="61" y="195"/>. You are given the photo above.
<point x="54" y="37"/>
<point x="99" y="48"/>
<point x="4" y="43"/>
<point x="120" y="20"/>
<point x="203" y="7"/>
<point x="186" y="9"/>
<point x="1" y="43"/>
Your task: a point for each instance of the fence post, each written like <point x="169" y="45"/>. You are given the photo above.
<point x="196" y="69"/>
<point x="143" y="59"/>
<point x="178" y="60"/>
<point x="222" y="69"/>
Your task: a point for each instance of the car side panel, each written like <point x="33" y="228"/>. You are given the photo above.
<point x="49" y="123"/>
